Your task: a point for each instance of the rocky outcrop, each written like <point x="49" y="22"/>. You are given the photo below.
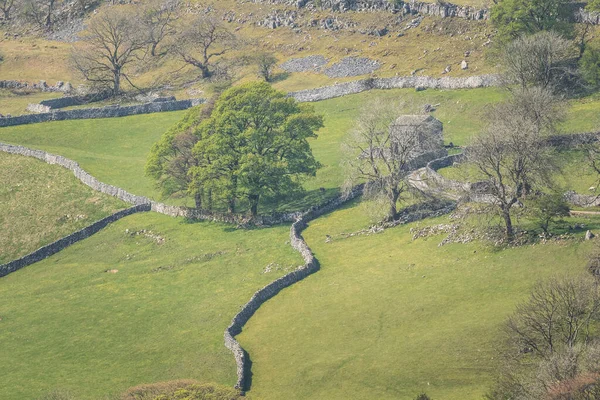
<point x="41" y="86"/>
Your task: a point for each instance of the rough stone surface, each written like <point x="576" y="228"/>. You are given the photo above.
<point x="310" y="63"/>
<point x="101" y="112"/>
<point x="61" y="244"/>
<point x="352" y="66"/>
<point x="399" y="82"/>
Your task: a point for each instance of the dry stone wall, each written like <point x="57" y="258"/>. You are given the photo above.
<point x="310" y="266"/>
<point x="101" y="112"/>
<point x="61" y="244"/>
<point x="416" y="82"/>
<point x="161" y="208"/>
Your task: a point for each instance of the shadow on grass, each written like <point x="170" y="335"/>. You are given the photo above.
<point x="247" y="383"/>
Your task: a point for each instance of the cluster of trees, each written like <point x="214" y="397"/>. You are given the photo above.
<point x="552" y="348"/>
<point x="250" y="143"/>
<point x="575" y="53"/>
<point x="120" y="40"/>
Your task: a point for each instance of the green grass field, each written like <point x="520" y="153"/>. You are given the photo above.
<point x="40" y="203"/>
<point x="388" y="317"/>
<point x="66" y="323"/>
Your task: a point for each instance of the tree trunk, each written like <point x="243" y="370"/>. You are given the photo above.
<point x="393" y="195"/>
<point x="204" y="71"/>
<point x="231" y="206"/>
<point x="198" y="200"/>
<point x="49" y="15"/>
<point x="510" y="234"/>
<point x="117" y="83"/>
<point x="254" y="204"/>
<point x="153" y="49"/>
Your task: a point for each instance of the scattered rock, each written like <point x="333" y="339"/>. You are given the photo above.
<point x="589" y="235"/>
<point x="310" y="63"/>
<point x="111" y="271"/>
<point x="352" y="66"/>
<point x="464" y="65"/>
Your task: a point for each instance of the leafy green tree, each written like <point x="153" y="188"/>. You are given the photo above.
<point x="589" y="65"/>
<point x="172" y="156"/>
<point x="255" y="144"/>
<point x="514" y="18"/>
<point x="548" y="208"/>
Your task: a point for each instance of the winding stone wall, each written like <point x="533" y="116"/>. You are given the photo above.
<point x="310" y="266"/>
<point x="61" y="244"/>
<point x="421" y="82"/>
<point x="101" y="112"/>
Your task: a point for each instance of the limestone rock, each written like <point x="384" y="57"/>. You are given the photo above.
<point x="464" y="65"/>
<point x="589" y="235"/>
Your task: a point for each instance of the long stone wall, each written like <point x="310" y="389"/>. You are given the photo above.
<point x="61" y="244"/>
<point x="161" y="208"/>
<point x="416" y="82"/>
<point x="101" y="112"/>
<point x="310" y="266"/>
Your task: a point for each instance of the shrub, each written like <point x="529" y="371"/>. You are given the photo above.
<point x="423" y="396"/>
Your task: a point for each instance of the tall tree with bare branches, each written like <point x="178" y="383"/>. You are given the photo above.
<point x="512" y="153"/>
<point x="376" y="152"/>
<point x="158" y="18"/>
<point x="112" y="42"/>
<point x="201" y="41"/>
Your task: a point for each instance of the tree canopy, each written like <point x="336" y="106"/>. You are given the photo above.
<point x="514" y="18"/>
<point x="254" y="143"/>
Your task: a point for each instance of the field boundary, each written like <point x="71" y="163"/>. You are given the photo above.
<point x="399" y="82"/>
<point x="161" y="208"/>
<point x="61" y="244"/>
<point x="101" y="112"/>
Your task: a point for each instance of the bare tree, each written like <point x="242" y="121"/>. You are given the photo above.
<point x="512" y="153"/>
<point x="380" y="153"/>
<point x="7" y="6"/>
<point x="552" y="350"/>
<point x="112" y="42"/>
<point x="41" y="12"/>
<point x="158" y="18"/>
<point x="538" y="60"/>
<point x="201" y="40"/>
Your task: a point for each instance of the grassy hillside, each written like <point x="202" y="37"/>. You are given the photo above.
<point x="67" y="323"/>
<point x="388" y="317"/>
<point x="114" y="150"/>
<point x="40" y="203"/>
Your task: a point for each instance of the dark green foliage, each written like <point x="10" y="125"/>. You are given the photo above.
<point x="254" y="144"/>
<point x="589" y="65"/>
<point x="171" y="157"/>
<point x="423" y="396"/>
<point x="514" y="18"/>
<point x="181" y="390"/>
<point x="547" y="208"/>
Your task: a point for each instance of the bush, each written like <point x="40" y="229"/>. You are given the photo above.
<point x="423" y="396"/>
<point x="589" y="65"/>
<point x="179" y="390"/>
